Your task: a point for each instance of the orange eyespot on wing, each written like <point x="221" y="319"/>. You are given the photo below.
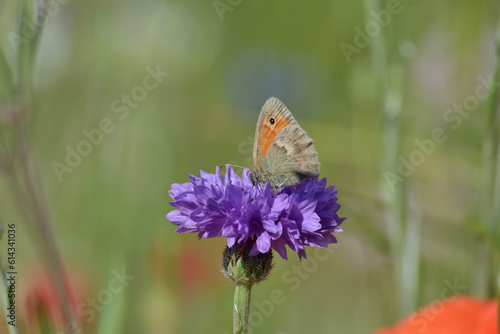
<point x="270" y="128"/>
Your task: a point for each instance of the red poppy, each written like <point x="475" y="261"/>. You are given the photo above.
<point x="457" y="315"/>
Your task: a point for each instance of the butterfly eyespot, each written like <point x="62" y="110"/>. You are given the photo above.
<point x="272" y="120"/>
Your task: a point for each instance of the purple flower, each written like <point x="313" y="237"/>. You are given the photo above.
<point x="229" y="206"/>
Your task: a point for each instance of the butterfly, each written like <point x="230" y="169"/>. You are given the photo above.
<point x="283" y="153"/>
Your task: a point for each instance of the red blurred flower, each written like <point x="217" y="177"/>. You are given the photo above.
<point x="457" y="315"/>
<point x="192" y="267"/>
<point x="42" y="299"/>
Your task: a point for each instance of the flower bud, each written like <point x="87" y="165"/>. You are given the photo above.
<point x="244" y="269"/>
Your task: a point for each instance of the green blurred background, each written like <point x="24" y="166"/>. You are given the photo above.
<point x="109" y="211"/>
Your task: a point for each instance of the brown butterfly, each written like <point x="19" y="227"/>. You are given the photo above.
<point x="283" y="154"/>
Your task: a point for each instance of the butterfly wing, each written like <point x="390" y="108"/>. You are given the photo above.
<point x="273" y="118"/>
<point x="283" y="153"/>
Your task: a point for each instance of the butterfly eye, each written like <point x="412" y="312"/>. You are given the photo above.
<point x="271" y="120"/>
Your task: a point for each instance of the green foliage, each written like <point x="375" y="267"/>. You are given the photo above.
<point x="108" y="147"/>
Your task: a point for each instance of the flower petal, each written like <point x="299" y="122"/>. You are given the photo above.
<point x="231" y="206"/>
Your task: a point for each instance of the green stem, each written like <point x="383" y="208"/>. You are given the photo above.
<point x="241" y="308"/>
<point x="494" y="118"/>
<point x="403" y="222"/>
<point x="44" y="323"/>
<point x="485" y="273"/>
<point x="28" y="188"/>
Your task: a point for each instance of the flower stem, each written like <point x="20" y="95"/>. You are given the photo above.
<point x="486" y="267"/>
<point x="241" y="308"/>
<point x="244" y="271"/>
<point x="403" y="220"/>
<point x="26" y="182"/>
